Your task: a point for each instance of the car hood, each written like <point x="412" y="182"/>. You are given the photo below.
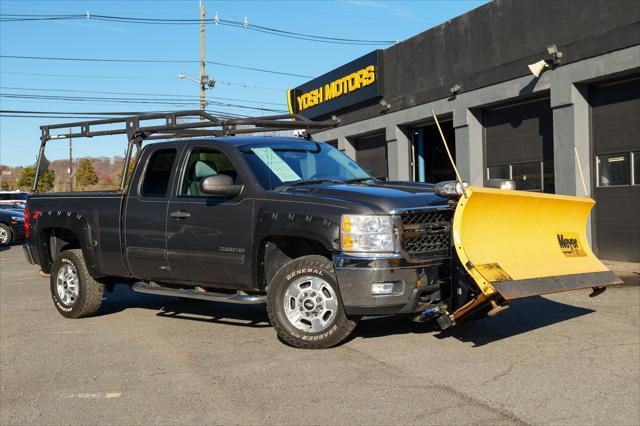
<point x="383" y="197"/>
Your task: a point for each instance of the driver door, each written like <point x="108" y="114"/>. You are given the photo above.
<point x="209" y="238"/>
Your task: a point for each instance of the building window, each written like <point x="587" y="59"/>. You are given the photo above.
<point x="528" y="176"/>
<point x="499" y="172"/>
<point x="614" y="169"/>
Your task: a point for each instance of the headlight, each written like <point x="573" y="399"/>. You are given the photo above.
<point x="18" y="218"/>
<point x="366" y="234"/>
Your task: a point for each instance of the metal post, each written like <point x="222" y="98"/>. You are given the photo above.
<point x="38" y="165"/>
<point x="70" y="163"/>
<point x="421" y="162"/>
<point x="203" y="101"/>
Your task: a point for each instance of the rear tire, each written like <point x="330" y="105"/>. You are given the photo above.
<point x="6" y="236"/>
<point x="304" y="304"/>
<point x="73" y="290"/>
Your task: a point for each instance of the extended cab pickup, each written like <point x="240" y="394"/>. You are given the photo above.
<point x="289" y="222"/>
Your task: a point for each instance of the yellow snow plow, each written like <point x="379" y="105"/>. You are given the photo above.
<point x="518" y="244"/>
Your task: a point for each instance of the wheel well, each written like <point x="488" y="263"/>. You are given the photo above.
<point x="54" y="241"/>
<point x="276" y="251"/>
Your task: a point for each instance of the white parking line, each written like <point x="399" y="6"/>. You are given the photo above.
<point x="100" y="395"/>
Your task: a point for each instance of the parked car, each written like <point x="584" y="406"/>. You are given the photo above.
<point x="11" y="226"/>
<point x="298" y="225"/>
<point x="13" y="198"/>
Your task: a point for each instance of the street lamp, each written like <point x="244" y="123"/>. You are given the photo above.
<point x="204" y="83"/>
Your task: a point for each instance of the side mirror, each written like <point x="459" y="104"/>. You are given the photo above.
<point x="220" y="186"/>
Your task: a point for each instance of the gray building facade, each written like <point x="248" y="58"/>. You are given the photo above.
<point x="576" y="127"/>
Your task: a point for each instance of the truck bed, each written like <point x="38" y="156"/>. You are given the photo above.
<point x="96" y="218"/>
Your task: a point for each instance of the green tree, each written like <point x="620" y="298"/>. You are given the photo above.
<point x="86" y="174"/>
<point x="45" y="183"/>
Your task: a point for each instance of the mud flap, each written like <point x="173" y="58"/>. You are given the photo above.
<point x="517" y="244"/>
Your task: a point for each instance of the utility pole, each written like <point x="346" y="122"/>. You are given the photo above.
<point x="203" y="101"/>
<point x="203" y="81"/>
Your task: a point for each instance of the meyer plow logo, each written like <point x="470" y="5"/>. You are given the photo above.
<point x="570" y="244"/>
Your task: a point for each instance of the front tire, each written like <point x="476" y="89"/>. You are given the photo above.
<point x="74" y="291"/>
<point x="6" y="236"/>
<point x="304" y="304"/>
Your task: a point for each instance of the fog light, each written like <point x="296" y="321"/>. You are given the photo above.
<point x="387" y="289"/>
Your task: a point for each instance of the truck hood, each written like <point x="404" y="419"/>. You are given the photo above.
<point x="381" y="197"/>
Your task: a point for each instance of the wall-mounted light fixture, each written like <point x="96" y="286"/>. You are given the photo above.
<point x="455" y="89"/>
<point x="542" y="65"/>
<point x="385" y="105"/>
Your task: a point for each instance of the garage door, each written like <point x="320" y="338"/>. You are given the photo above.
<point x="615" y="133"/>
<point x="371" y="154"/>
<point x="519" y="144"/>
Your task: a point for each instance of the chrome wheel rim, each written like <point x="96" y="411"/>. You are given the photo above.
<point x="4" y="236"/>
<point x="67" y="284"/>
<point x="310" y="304"/>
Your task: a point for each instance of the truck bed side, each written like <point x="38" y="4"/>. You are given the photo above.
<point x="87" y="220"/>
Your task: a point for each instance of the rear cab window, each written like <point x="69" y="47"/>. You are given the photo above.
<point x="158" y="173"/>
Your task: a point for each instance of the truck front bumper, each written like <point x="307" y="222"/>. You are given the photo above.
<point x="410" y="281"/>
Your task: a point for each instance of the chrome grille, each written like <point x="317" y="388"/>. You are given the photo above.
<point x="426" y="232"/>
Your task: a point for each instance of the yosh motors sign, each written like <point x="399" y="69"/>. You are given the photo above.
<point x="350" y="84"/>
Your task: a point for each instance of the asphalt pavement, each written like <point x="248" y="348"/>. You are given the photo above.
<point x="559" y="359"/>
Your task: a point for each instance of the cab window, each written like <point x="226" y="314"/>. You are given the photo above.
<point x="158" y="173"/>
<point x="201" y="164"/>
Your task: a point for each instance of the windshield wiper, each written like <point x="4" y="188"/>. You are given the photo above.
<point x="362" y="179"/>
<point x="311" y="181"/>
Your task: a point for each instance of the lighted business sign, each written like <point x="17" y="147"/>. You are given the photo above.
<point x="350" y="84"/>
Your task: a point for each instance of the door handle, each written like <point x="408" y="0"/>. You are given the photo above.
<point x="180" y="214"/>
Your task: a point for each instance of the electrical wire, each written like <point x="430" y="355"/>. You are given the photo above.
<point x="216" y="21"/>
<point x="94" y="115"/>
<point x="138" y="77"/>
<point x="155" y="101"/>
<point x="182" y="97"/>
<point x="152" y="61"/>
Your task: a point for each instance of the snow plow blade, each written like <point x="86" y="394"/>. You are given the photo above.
<point x="519" y="244"/>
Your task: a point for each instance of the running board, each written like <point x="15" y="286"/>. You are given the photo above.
<point x="245" y="299"/>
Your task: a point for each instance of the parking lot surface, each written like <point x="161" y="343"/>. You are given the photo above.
<point x="559" y="359"/>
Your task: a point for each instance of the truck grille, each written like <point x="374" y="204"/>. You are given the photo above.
<point x="426" y="232"/>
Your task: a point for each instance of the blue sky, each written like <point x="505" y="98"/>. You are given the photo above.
<point x="371" y="20"/>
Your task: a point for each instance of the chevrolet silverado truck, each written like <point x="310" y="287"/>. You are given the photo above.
<point x="298" y="225"/>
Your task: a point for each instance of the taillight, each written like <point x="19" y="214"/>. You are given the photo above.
<point x="27" y="220"/>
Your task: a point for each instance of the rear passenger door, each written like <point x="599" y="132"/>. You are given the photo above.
<point x="209" y="238"/>
<point x="145" y="214"/>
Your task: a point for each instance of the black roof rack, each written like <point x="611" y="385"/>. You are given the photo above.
<point x="136" y="131"/>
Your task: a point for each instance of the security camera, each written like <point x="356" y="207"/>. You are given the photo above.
<point x="537" y="68"/>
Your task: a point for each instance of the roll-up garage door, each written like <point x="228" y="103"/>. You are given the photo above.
<point x="371" y="154"/>
<point x="615" y="133"/>
<point x="519" y="144"/>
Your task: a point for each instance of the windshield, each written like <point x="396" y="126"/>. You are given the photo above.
<point x="276" y="164"/>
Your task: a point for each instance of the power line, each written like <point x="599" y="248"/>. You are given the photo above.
<point x="138" y="77"/>
<point x="183" y="97"/>
<point x="151" y="61"/>
<point x="156" y="101"/>
<point x="93" y="115"/>
<point x="226" y="22"/>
